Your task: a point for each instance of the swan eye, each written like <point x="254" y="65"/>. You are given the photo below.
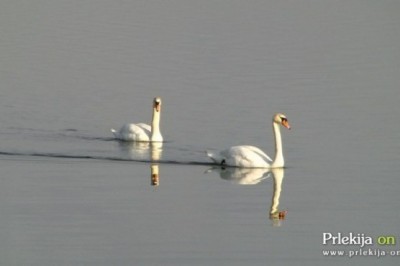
<point x="284" y="119"/>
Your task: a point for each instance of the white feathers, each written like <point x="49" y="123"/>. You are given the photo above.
<point x="133" y="132"/>
<point x="142" y="132"/>
<point x="241" y="156"/>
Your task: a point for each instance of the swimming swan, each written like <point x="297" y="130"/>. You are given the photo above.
<point x="141" y="131"/>
<point x="252" y="157"/>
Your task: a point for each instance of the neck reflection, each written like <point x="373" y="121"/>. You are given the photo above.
<point x="144" y="152"/>
<point x="253" y="176"/>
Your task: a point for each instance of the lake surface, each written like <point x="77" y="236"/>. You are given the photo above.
<point x="72" y="70"/>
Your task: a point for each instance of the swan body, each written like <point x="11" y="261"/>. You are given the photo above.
<point x="241" y="156"/>
<point x="142" y="132"/>
<point x="252" y="157"/>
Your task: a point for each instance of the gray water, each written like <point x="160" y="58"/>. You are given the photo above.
<point x="71" y="70"/>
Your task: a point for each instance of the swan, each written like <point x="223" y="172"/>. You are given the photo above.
<point x="142" y="132"/>
<point x="252" y="157"/>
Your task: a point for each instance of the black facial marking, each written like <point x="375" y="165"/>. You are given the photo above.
<point x="223" y="164"/>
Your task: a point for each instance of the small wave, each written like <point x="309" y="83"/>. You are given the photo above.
<point x="96" y="138"/>
<point x="103" y="158"/>
<point x="75" y="134"/>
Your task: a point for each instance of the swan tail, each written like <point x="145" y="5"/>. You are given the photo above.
<point x="116" y="134"/>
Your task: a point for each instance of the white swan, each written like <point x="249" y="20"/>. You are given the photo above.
<point x="252" y="157"/>
<point x="141" y="131"/>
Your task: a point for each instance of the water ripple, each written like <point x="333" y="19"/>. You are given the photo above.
<point x="103" y="158"/>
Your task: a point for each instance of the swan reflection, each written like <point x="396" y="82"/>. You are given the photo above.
<point x="243" y="176"/>
<point x="252" y="176"/>
<point x="144" y="151"/>
<point x="141" y="150"/>
<point x="155" y="175"/>
<point x="275" y="214"/>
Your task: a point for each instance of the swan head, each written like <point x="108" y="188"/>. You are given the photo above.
<point x="157" y="104"/>
<point x="281" y="119"/>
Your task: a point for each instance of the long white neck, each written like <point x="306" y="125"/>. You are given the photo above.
<point x="155" y="126"/>
<point x="278" y="161"/>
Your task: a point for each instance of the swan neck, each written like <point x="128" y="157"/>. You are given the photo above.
<point x="278" y="161"/>
<point x="155" y="126"/>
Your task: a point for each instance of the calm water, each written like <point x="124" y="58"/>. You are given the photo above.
<point x="71" y="70"/>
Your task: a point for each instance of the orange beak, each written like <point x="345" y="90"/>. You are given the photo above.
<point x="285" y="123"/>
